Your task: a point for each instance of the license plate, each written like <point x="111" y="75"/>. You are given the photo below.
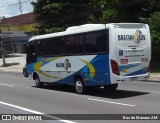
<point x="133" y="78"/>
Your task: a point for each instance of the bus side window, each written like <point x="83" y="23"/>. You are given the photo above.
<point x="97" y="42"/>
<point x="58" y="46"/>
<point x="81" y="43"/>
<point x="46" y="47"/>
<point x="40" y="47"/>
<point x="91" y="42"/>
<point x="75" y="44"/>
<point x="102" y="42"/>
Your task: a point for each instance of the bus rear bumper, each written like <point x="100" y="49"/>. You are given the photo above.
<point x="120" y="79"/>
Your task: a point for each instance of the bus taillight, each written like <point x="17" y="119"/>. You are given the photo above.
<point x="115" y="68"/>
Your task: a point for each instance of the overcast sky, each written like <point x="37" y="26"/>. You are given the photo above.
<point x="9" y="8"/>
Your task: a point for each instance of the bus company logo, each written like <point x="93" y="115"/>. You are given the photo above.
<point x="120" y="52"/>
<point x="64" y="65"/>
<point x="67" y="64"/>
<point x="138" y="36"/>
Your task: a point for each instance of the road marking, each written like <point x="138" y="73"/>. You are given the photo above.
<point x="111" y="102"/>
<point x="156" y="92"/>
<point x="34" y="112"/>
<point x="6" y="84"/>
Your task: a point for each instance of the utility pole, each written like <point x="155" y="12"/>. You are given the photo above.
<point x="20" y="6"/>
<point x="2" y="52"/>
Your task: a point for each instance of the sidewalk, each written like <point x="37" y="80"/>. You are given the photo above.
<point x="19" y="61"/>
<point x="15" y="63"/>
<point x="154" y="77"/>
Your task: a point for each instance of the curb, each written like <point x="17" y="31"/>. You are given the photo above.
<point x="154" y="78"/>
<point x="10" y="64"/>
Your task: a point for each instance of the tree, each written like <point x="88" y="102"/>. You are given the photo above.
<point x="154" y="22"/>
<point x="136" y="10"/>
<point x="57" y="15"/>
<point x="103" y="11"/>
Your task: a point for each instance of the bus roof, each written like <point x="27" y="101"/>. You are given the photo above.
<point x="83" y="28"/>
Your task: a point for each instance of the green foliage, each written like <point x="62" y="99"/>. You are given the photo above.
<point x="57" y="15"/>
<point x="154" y="22"/>
<point x="155" y="67"/>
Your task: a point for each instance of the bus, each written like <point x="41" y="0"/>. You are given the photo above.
<point x="91" y="55"/>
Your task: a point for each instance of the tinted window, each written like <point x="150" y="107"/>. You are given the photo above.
<point x="91" y="43"/>
<point x="40" y="46"/>
<point x="102" y="42"/>
<point x="57" y="46"/>
<point x="81" y="43"/>
<point x="97" y="42"/>
<point x="43" y="47"/>
<point x="75" y="44"/>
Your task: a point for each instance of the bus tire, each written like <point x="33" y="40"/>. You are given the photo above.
<point x="111" y="88"/>
<point x="38" y="83"/>
<point x="25" y="74"/>
<point x="79" y="86"/>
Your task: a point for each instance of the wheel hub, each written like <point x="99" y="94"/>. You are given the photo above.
<point x="79" y="86"/>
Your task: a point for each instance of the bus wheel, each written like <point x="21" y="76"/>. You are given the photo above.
<point x="111" y="88"/>
<point x="39" y="84"/>
<point x="79" y="86"/>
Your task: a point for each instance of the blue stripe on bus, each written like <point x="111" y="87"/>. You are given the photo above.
<point x="139" y="72"/>
<point x="128" y="66"/>
<point x="100" y="64"/>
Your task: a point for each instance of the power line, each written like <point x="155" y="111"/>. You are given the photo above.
<point x="15" y="4"/>
<point x="19" y="3"/>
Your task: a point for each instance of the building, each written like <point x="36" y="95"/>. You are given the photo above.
<point x="16" y="31"/>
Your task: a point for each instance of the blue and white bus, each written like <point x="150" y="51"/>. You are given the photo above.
<point x="91" y="55"/>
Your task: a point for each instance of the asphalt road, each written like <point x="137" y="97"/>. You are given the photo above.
<point x="18" y="95"/>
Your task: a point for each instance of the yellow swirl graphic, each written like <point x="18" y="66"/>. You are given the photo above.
<point x="39" y="64"/>
<point x="51" y="59"/>
<point x="91" y="68"/>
